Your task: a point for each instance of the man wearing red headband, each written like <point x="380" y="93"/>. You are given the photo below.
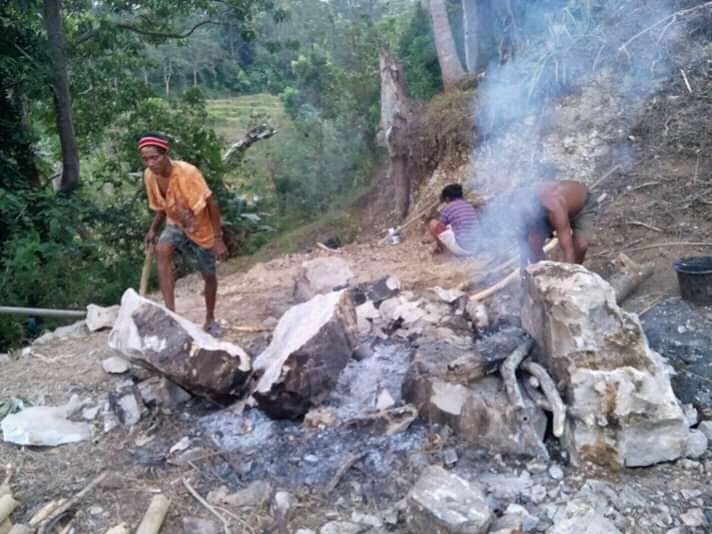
<point x="177" y="192"/>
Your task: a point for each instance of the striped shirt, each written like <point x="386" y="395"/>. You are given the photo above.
<point x="462" y="217"/>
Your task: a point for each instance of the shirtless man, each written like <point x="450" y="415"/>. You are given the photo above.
<point x="565" y="207"/>
<point x="177" y="192"/>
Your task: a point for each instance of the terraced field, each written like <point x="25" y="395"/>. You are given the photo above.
<point x="232" y="117"/>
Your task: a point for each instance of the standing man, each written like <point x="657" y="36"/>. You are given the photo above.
<point x="177" y="192"/>
<point x="565" y="207"/>
<point x="455" y="228"/>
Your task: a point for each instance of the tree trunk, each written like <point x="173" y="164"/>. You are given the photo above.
<point x="470" y="20"/>
<point x="167" y="74"/>
<point x="394" y="130"/>
<point x="62" y="97"/>
<point x="450" y="66"/>
<point x="195" y="76"/>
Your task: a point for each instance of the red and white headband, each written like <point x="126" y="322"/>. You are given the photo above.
<point x="149" y="140"/>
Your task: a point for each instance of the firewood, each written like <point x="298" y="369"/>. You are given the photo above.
<point x="45" y="525"/>
<point x="536" y="395"/>
<point x="548" y="387"/>
<point x="44" y="512"/>
<point x="511" y="277"/>
<point x="508" y="372"/>
<point x="156" y="513"/>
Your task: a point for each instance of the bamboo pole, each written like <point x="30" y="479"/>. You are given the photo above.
<point x="156" y="513"/>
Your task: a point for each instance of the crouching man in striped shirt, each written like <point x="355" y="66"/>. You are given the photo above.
<point x="454" y="229"/>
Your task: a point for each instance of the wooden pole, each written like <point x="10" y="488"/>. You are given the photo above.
<point x="156" y="513"/>
<point x="146" y="272"/>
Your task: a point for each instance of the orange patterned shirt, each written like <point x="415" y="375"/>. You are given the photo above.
<point x="185" y="201"/>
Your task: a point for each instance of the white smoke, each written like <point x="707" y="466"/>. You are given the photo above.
<point x="564" y="105"/>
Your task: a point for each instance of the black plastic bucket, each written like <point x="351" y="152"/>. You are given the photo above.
<point x="694" y="274"/>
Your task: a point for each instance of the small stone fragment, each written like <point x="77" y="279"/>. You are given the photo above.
<point x="556" y="472"/>
<point x="441" y="502"/>
<point x="696" y="444"/>
<point x="115" y="365"/>
<point x="694" y="518"/>
<point x="99" y="317"/>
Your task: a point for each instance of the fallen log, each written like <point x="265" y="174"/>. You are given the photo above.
<point x="629" y="276"/>
<point x="548" y="387"/>
<point x="156" y="513"/>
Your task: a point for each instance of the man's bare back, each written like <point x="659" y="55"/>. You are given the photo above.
<point x="565" y="194"/>
<point x="558" y="206"/>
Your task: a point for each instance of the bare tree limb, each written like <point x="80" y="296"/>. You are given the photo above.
<point x="136" y="29"/>
<point x="258" y="133"/>
<point x="673" y="16"/>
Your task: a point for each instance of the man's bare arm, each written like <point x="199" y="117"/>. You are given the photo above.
<point x="215" y="219"/>
<point x="559" y="218"/>
<point x="153" y="229"/>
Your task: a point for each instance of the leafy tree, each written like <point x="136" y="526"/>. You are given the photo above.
<point x="416" y="50"/>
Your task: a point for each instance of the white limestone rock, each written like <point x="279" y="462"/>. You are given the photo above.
<point x="99" y="317"/>
<point x="321" y="275"/>
<point x="443" y="503"/>
<point x="622" y="409"/>
<point x="152" y="336"/>
<point x="311" y="345"/>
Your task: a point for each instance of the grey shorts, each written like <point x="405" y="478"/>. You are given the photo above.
<point x="582" y="223"/>
<point x="200" y="258"/>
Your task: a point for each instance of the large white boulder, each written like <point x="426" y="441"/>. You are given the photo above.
<point x="154" y="337"/>
<point x="622" y="409"/>
<point x="310" y="346"/>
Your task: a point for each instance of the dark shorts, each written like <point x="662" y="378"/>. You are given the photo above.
<point x="200" y="258"/>
<point x="581" y="223"/>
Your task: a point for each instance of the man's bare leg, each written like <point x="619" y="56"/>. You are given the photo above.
<point x="164" y="258"/>
<point x="211" y="292"/>
<point x="436" y="228"/>
<point x="580" y="247"/>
